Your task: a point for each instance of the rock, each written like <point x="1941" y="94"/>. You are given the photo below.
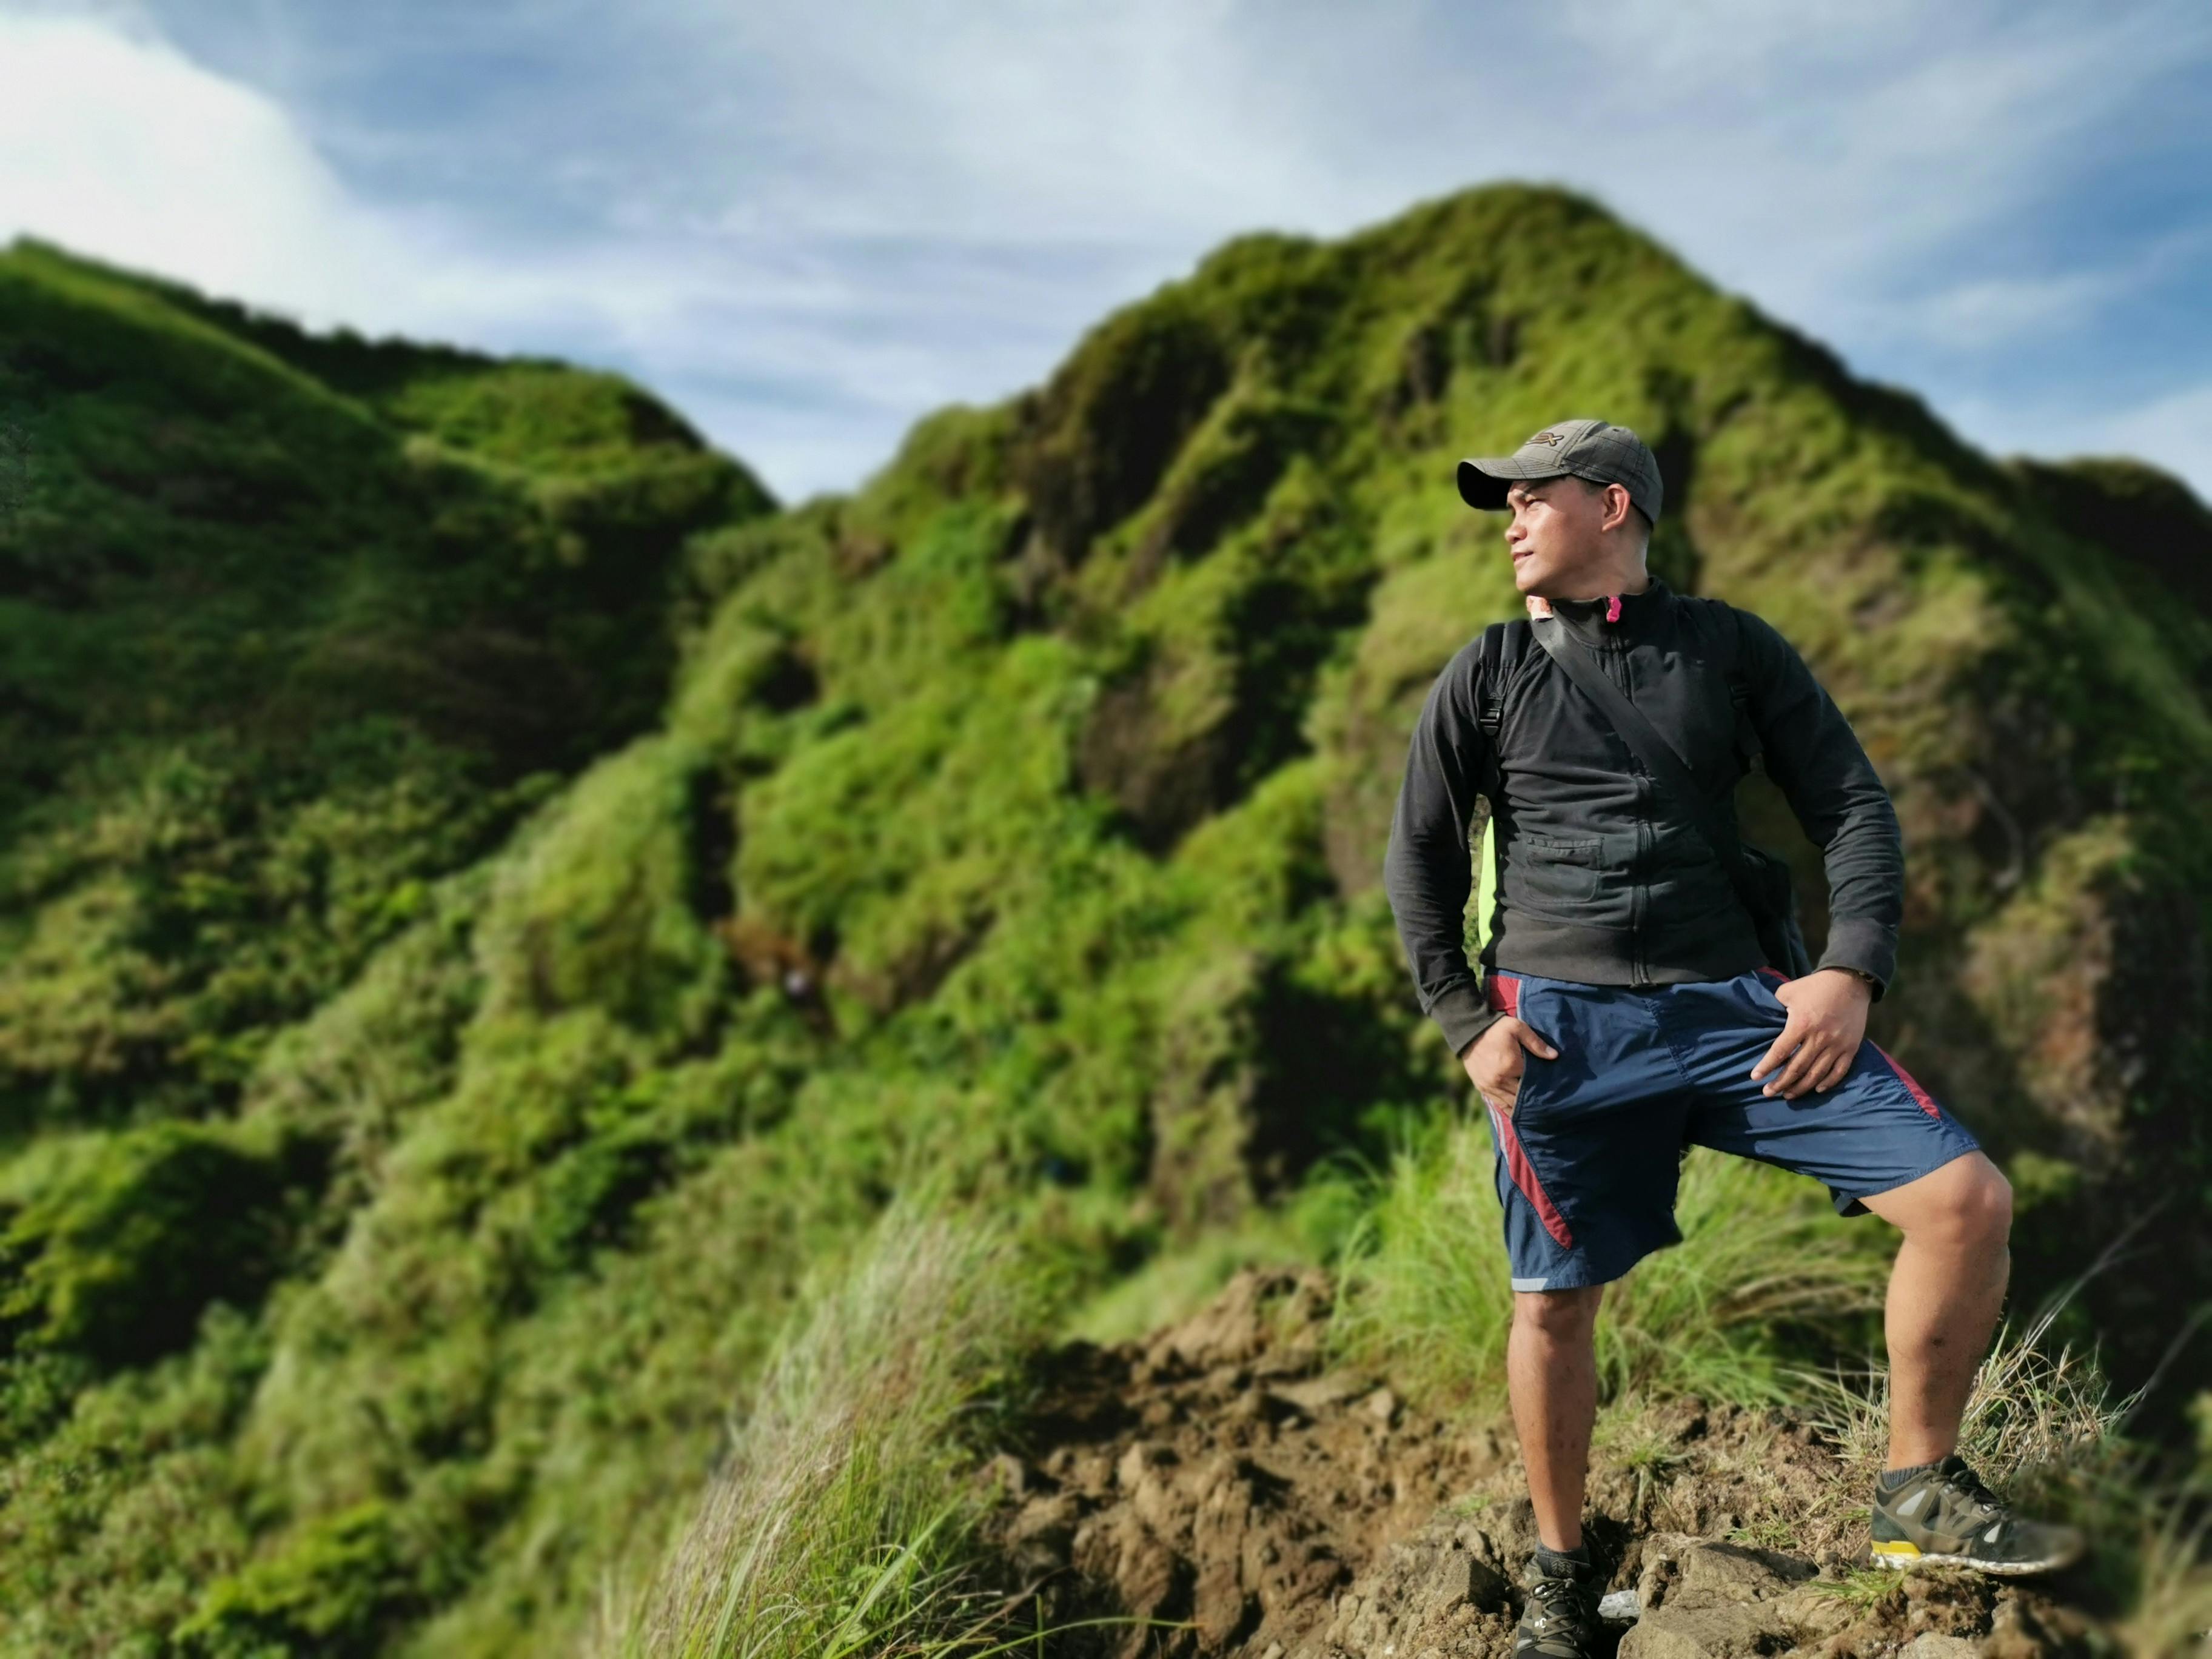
<point x="1682" y="1570"/>
<point x="1457" y="1577"/>
<point x="1717" y="1574"/>
<point x="1225" y="1592"/>
<point x="1619" y="1607"/>
<point x="1233" y="1329"/>
<point x="1043" y="1535"/>
<point x="1137" y="1461"/>
<point x="1152" y="1581"/>
<point x="1670" y="1635"/>
<point x="1442" y="1589"/>
<point x="1719" y="1632"/>
<point x="1381" y="1406"/>
<point x="1702" y="1600"/>
<point x="1816" y="1614"/>
<point x="1940" y="1647"/>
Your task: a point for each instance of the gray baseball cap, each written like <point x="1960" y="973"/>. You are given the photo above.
<point x="1597" y="450"/>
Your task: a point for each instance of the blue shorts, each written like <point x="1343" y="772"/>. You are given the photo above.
<point x="1587" y="1163"/>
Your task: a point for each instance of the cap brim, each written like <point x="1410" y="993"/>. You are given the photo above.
<point x="1483" y="479"/>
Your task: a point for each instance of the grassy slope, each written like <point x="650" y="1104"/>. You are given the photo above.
<point x="275" y="654"/>
<point x="1021" y="818"/>
<point x="291" y="630"/>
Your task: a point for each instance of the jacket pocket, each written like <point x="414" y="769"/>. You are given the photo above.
<point x="1558" y="872"/>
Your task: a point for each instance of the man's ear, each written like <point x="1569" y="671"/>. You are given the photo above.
<point x="1618" y="507"/>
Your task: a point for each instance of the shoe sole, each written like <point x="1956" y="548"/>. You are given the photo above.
<point x="1908" y="1556"/>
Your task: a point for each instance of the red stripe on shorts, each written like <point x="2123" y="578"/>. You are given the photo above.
<point x="1503" y="992"/>
<point x="1927" y="1104"/>
<point x="1524" y="1177"/>
<point x="1927" y="1101"/>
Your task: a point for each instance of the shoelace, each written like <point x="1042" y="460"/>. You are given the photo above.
<point x="1987" y="1505"/>
<point x="1563" y="1600"/>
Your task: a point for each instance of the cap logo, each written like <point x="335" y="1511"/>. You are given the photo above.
<point x="1552" y="438"/>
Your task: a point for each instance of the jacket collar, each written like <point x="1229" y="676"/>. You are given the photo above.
<point x="1586" y="619"/>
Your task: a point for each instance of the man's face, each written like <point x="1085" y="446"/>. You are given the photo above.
<point x="1554" y="535"/>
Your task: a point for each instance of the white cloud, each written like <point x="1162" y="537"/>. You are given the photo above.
<point x="809" y="225"/>
<point x="1847" y="166"/>
<point x="112" y="144"/>
<point x="1851" y="166"/>
<point x="1997" y="309"/>
<point x="115" y="145"/>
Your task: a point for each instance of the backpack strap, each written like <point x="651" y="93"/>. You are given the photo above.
<point x="1497" y="664"/>
<point x="1738" y="684"/>
<point x="1504" y="645"/>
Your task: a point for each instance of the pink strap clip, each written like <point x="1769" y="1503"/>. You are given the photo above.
<point x="1612" y="607"/>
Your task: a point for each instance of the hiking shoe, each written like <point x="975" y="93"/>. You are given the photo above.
<point x="1945" y="1514"/>
<point x="1560" y="1619"/>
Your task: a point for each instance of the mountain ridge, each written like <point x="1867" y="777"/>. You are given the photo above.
<point x="1015" y="820"/>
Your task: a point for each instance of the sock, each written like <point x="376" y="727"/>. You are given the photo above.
<point x="1894" y="1479"/>
<point x="1557" y="1564"/>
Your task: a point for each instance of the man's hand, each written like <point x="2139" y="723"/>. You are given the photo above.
<point x="1493" y="1060"/>
<point x="1827" y="1022"/>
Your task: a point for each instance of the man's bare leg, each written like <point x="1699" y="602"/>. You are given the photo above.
<point x="1945" y="1292"/>
<point x="1550" y="1366"/>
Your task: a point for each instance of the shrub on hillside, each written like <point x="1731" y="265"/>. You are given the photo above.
<point x="333" y="1592"/>
<point x="128" y="1238"/>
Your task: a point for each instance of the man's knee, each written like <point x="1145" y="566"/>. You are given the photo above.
<point x="1970" y="1208"/>
<point x="1560" y="1315"/>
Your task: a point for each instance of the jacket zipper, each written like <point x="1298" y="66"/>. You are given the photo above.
<point x="1637" y="972"/>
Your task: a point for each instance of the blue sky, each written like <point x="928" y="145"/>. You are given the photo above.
<point x="806" y="225"/>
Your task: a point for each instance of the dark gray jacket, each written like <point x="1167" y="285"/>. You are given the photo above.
<point x="1595" y="882"/>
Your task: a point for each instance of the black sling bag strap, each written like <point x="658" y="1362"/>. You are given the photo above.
<point x="1764" y="892"/>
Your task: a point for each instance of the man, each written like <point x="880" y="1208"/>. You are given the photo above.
<point x="1628" y="1010"/>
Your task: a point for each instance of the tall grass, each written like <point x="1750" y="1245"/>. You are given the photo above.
<point x="2046" y="1428"/>
<point x="2029" y="1410"/>
<point x="1764" y="1266"/>
<point x="839" y="1523"/>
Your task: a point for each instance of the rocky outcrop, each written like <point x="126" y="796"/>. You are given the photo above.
<point x="1226" y="1489"/>
<point x="1222" y="1476"/>
<point x="1447" y="1590"/>
<point x="1701" y="1599"/>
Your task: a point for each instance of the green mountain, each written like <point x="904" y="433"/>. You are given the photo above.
<point x="494" y="912"/>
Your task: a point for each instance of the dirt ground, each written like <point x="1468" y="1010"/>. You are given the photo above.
<point x="1219" y="1480"/>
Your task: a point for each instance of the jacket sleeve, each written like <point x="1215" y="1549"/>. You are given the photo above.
<point x="1814" y="758"/>
<point x="1427" y="870"/>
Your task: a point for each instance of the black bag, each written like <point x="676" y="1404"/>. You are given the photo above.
<point x="1762" y="880"/>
